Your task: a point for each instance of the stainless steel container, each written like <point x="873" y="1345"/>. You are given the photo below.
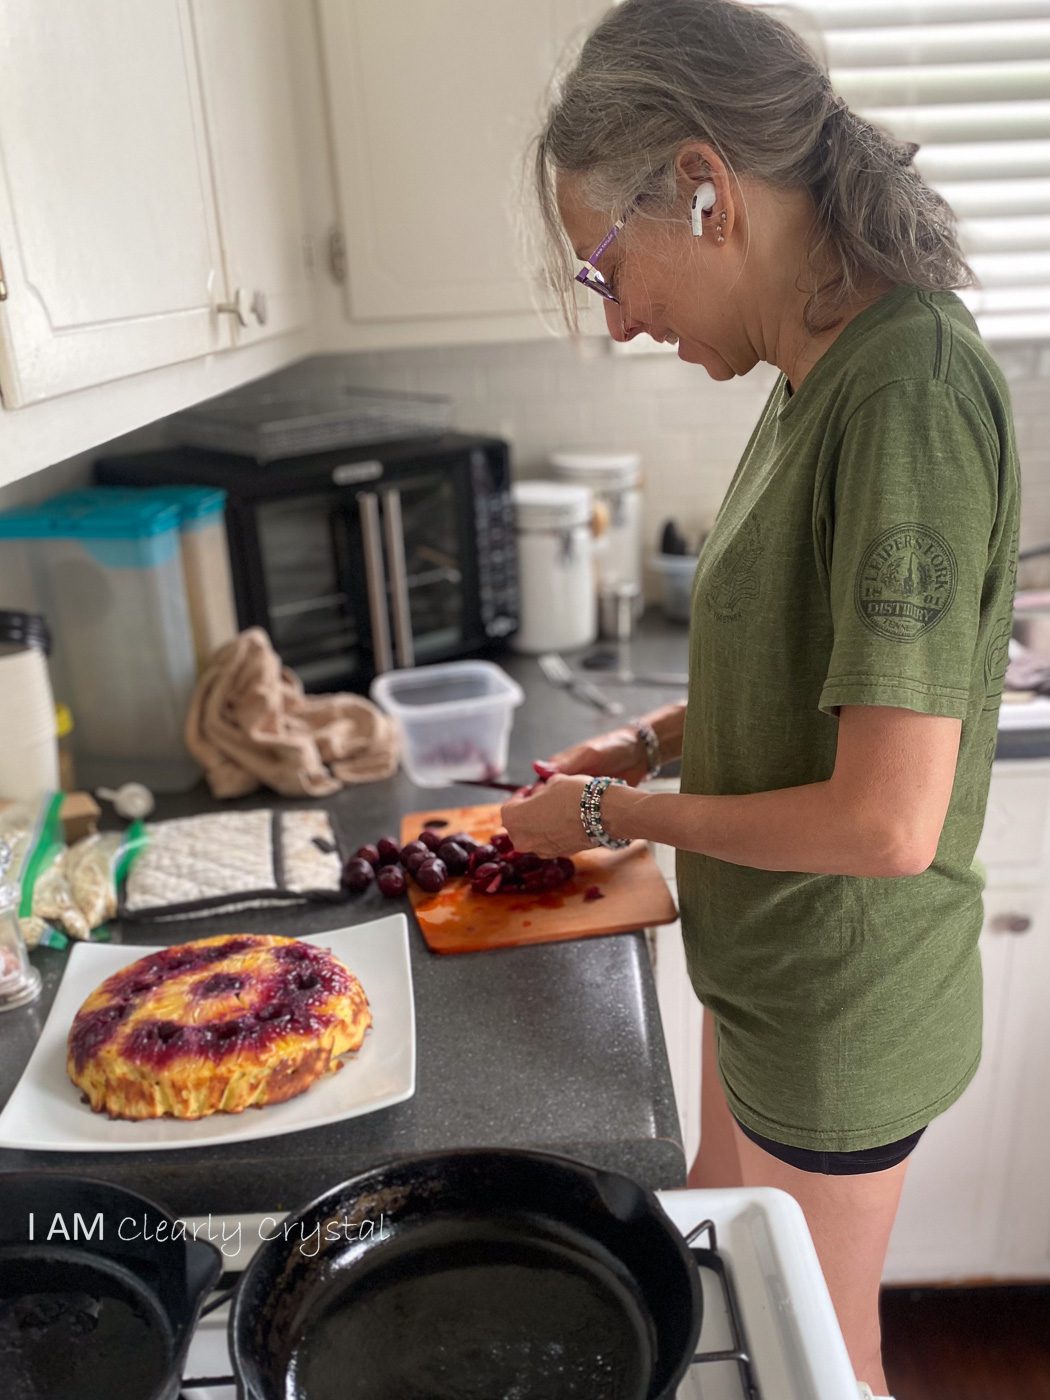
<point x="618" y="611"/>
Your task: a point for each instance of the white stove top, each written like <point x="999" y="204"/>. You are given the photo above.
<point x="790" y="1328"/>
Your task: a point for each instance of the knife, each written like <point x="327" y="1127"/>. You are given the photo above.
<point x="490" y="783"/>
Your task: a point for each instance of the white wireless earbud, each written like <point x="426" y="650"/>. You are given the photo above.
<point x="703" y="203"/>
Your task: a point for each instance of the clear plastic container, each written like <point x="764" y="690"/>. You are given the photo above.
<point x="676" y="573"/>
<point x="108" y="577"/>
<point x="455" y="719"/>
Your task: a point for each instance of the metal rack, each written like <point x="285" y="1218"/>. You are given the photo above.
<point x="710" y="1258"/>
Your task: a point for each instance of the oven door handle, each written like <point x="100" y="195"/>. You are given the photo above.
<point x="375" y="576"/>
<point x="395" y="553"/>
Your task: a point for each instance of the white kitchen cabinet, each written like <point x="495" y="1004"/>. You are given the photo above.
<point x="682" y="1018"/>
<point x="244" y="48"/>
<point x="680" y="1010"/>
<point x="958" y="1192"/>
<point x="151" y="210"/>
<point x="431" y="105"/>
<point x="975" y="1203"/>
<point x="108" y="237"/>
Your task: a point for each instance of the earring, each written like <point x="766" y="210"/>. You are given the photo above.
<point x="720" y="237"/>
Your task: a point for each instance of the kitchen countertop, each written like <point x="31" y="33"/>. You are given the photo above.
<point x="556" y="1047"/>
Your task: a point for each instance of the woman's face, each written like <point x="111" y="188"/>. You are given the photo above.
<point x="670" y="284"/>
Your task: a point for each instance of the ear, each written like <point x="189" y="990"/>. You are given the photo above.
<point x="698" y="164"/>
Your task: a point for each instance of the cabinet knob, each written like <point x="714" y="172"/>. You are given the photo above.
<point x="237" y="307"/>
<point x="1011" y="923"/>
<point x="259" y="308"/>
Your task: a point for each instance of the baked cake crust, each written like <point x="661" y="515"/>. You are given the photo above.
<point x="215" y="1026"/>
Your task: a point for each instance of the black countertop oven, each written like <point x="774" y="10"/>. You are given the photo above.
<point x="365" y="558"/>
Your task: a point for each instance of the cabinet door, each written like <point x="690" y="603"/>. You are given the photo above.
<point x="1025" y="1222"/>
<point x="108" y="236"/>
<point x="244" y="47"/>
<point x="956" y="1196"/>
<point x="680" y="1011"/>
<point x="432" y="105"/>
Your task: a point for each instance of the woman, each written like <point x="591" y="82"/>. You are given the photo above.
<point x="850" y="613"/>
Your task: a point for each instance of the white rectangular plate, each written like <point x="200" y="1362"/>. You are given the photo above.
<point x="45" y="1112"/>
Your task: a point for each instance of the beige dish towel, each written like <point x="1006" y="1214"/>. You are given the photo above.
<point x="250" y="724"/>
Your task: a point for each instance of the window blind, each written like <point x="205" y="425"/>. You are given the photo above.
<point x="970" y="82"/>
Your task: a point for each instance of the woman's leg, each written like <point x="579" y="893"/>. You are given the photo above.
<point x="717" y="1163"/>
<point x="850" y="1218"/>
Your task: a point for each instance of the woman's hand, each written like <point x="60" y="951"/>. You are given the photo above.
<point x="617" y="754"/>
<point x="548" y="821"/>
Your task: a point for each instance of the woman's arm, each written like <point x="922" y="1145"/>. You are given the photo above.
<point x="879" y="814"/>
<point x="620" y="753"/>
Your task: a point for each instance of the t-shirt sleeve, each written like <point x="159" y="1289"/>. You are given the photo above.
<point x="909" y="515"/>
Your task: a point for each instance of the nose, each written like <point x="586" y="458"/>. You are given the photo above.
<point x="620" y="328"/>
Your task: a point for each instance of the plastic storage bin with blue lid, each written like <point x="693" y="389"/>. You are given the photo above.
<point x="205" y="556"/>
<point x="107" y="574"/>
<point x="198" y="506"/>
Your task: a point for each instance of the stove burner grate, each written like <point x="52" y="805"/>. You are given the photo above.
<point x="705" y="1257"/>
<point x="710" y="1258"/>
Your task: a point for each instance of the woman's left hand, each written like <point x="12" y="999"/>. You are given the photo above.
<point x="548" y="821"/>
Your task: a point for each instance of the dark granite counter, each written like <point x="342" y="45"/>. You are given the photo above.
<point x="556" y="1047"/>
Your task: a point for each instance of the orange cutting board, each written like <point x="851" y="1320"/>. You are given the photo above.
<point x="459" y="921"/>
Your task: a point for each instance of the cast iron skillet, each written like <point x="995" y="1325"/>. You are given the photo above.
<point x="483" y="1273"/>
<point x="95" y="1316"/>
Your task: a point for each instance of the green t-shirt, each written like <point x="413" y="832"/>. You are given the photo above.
<point x="864" y="554"/>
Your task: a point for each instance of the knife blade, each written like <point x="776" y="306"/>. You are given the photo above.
<point x="490" y="783"/>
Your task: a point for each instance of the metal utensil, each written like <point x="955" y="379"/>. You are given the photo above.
<point x="670" y="679"/>
<point x="558" y="672"/>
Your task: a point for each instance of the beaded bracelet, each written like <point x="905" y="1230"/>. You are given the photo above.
<point x="647" y="736"/>
<point x="591" y="814"/>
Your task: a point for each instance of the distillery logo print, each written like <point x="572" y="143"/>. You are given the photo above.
<point x="735" y="578"/>
<point x="906" y="582"/>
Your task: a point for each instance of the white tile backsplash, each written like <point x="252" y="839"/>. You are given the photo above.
<point x="549" y="394"/>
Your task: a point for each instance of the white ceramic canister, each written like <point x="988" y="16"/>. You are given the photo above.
<point x="555" y="566"/>
<point x="615" y="478"/>
<point x="28" y="740"/>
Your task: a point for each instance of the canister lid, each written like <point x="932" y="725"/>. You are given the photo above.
<point x="601" y="471"/>
<point x="87" y="515"/>
<point x="196" y="504"/>
<point x="550" y="505"/>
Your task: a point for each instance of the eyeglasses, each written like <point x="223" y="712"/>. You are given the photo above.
<point x="589" y="274"/>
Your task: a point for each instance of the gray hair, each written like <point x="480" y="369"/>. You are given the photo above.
<point x="656" y="73"/>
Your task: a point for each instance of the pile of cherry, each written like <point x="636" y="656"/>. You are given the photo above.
<point x="492" y="867"/>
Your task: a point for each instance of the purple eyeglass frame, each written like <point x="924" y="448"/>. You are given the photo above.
<point x="589" y="275"/>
